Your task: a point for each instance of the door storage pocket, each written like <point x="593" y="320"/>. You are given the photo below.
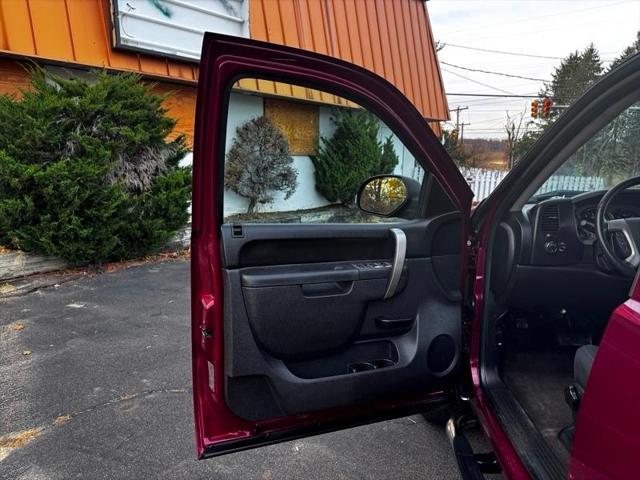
<point x="293" y="322"/>
<point x="360" y="357"/>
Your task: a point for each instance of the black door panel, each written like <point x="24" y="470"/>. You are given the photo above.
<point x="304" y="310"/>
<point x="298" y="386"/>
<point x="261" y="244"/>
<point x="309" y="328"/>
<point x="288" y="322"/>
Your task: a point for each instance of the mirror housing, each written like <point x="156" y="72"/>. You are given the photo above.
<point x="389" y="196"/>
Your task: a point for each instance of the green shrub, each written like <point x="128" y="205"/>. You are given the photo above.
<point x="86" y="172"/>
<point x="351" y="155"/>
<point x="388" y="157"/>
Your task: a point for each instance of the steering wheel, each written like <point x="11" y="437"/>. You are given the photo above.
<point x="612" y="233"/>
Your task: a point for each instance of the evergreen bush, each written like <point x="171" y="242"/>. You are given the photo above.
<point x="86" y="172"/>
<point x="351" y="155"/>
<point x="258" y="163"/>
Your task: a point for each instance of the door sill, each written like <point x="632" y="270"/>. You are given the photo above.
<point x="535" y="453"/>
<point x="320" y="427"/>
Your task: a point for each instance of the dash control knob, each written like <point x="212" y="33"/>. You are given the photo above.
<point x="551" y="247"/>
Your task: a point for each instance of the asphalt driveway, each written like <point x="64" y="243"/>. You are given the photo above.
<point x="95" y="383"/>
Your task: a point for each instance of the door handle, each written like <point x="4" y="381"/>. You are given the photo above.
<point x="399" y="255"/>
<point x="393" y="322"/>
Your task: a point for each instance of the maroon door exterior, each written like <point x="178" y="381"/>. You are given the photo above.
<point x="607" y="438"/>
<point x="224" y="59"/>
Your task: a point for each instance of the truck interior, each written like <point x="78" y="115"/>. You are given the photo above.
<point x="558" y="266"/>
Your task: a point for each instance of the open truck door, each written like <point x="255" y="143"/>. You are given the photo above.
<point x="303" y="328"/>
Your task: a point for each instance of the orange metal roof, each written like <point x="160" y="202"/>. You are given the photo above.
<point x="390" y="37"/>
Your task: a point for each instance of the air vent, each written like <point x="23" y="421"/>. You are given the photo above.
<point x="550" y="218"/>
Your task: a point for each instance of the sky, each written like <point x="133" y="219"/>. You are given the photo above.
<point x="543" y="28"/>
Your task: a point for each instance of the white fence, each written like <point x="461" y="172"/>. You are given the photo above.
<point x="483" y="182"/>
<point x="566" y="182"/>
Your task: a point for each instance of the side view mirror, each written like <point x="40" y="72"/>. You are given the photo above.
<point x="388" y="196"/>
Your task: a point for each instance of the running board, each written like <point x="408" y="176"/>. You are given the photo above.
<point x="472" y="466"/>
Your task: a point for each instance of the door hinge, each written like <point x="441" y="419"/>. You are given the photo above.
<point x="472" y="247"/>
<point x="469" y="301"/>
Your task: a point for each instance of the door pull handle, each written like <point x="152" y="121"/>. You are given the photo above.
<point x="397" y="265"/>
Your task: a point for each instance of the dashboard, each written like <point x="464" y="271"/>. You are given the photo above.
<point x="586" y="219"/>
<point x="563" y="230"/>
<point x="548" y="254"/>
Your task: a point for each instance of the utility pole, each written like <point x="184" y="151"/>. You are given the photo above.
<point x="462" y="132"/>
<point x="458" y="110"/>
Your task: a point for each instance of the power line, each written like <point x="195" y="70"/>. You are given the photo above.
<point x="503" y="110"/>
<point x="476" y="81"/>
<point x="480" y="101"/>
<point x="490" y="95"/>
<point x="502" y="52"/>
<point x="494" y="73"/>
<point x="495" y="130"/>
<point x="599" y="21"/>
<point x="489" y="120"/>
<point x="527" y="19"/>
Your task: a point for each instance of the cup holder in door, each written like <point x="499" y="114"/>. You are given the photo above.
<point x="382" y="362"/>
<point x="360" y="367"/>
<point x="370" y="365"/>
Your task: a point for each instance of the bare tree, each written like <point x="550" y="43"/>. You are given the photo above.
<point x="516" y="128"/>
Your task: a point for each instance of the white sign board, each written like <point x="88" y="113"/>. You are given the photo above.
<point x="175" y="27"/>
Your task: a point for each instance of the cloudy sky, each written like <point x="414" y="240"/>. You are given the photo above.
<point x="540" y="28"/>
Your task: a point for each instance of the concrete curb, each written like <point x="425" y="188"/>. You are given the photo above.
<point x="18" y="264"/>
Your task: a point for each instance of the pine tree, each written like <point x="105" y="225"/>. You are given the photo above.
<point x="576" y="73"/>
<point x="628" y="52"/>
<point x="351" y="155"/>
<point x="388" y="157"/>
<point x="616" y="147"/>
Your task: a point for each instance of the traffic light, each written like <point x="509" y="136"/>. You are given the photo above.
<point x="546" y="107"/>
<point x="454" y="136"/>
<point x="534" y="109"/>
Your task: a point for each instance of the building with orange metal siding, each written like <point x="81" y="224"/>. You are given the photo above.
<point x="390" y="37"/>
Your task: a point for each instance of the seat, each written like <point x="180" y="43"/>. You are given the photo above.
<point x="582" y="363"/>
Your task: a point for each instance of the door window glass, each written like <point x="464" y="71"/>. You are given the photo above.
<point x="298" y="155"/>
<point x="609" y="156"/>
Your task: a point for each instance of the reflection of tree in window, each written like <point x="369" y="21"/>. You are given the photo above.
<point x="613" y="153"/>
<point x="383" y="195"/>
